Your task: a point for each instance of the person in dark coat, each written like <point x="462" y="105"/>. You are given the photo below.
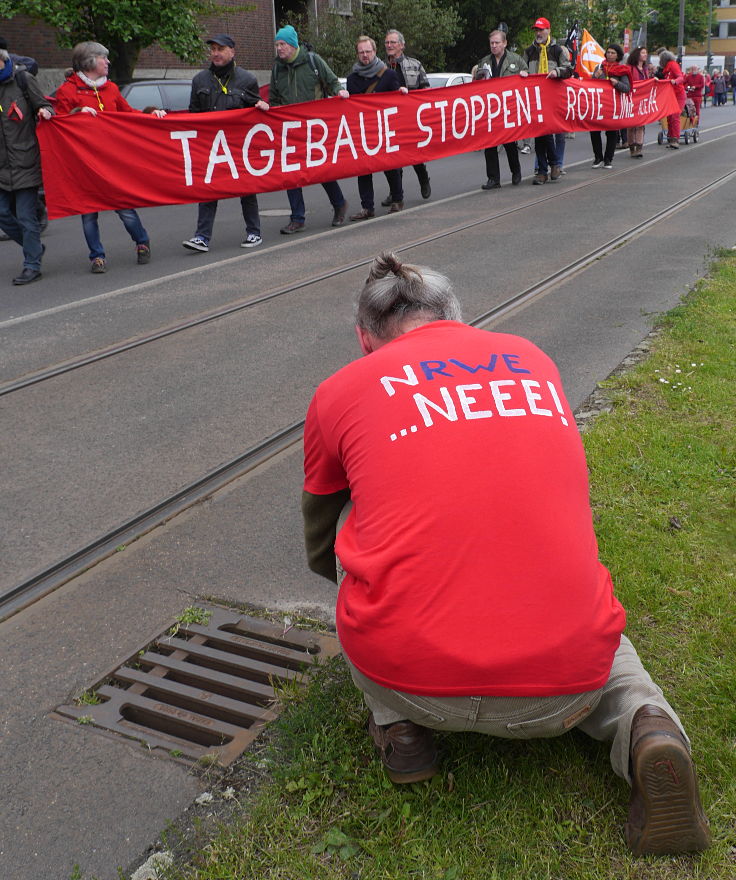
<point x="21" y="104"/>
<point x="224" y="86"/>
<point x="370" y="74"/>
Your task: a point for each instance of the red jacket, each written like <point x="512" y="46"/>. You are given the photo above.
<point x="673" y="72"/>
<point x="73" y="94"/>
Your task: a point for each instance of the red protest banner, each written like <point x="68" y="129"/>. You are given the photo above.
<point x="131" y="160"/>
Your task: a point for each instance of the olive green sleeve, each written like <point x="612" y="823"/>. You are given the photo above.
<point x="321" y="513"/>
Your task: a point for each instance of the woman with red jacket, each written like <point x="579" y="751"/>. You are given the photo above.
<point x="88" y="90"/>
<point x="672" y="71"/>
<point x="694" y="87"/>
<point x="619" y="75"/>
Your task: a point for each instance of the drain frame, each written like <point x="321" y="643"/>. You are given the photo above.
<point x="202" y="690"/>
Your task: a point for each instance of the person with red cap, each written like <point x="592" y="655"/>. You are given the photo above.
<point x="547" y="57"/>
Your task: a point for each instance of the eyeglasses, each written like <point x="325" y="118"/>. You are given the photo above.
<point x="390" y="42"/>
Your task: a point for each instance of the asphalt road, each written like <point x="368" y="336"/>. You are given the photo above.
<point x="85" y="450"/>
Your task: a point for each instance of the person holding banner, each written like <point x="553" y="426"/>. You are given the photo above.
<point x="618" y="75"/>
<point x="369" y="75"/>
<point x="224" y="86"/>
<point x="297" y="75"/>
<point x="22" y="104"/>
<point x="88" y="90"/>
<point x="546" y="57"/>
<point x="500" y="62"/>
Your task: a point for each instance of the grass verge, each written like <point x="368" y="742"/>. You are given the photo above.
<point x="663" y="478"/>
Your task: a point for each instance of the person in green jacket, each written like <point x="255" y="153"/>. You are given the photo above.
<point x="301" y="75"/>
<point x="500" y="62"/>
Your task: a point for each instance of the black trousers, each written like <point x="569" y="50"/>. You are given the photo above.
<point x="512" y="154"/>
<point x="597" y="142"/>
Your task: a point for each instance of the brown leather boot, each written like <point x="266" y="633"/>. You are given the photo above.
<point x="665" y="814"/>
<point x="407" y="750"/>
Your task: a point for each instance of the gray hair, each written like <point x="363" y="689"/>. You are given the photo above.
<point x="395" y="292"/>
<point x="665" y="56"/>
<point x="85" y="55"/>
<point x="399" y="35"/>
<point x="4" y="54"/>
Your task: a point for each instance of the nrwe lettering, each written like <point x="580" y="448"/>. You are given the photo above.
<point x="450" y="368"/>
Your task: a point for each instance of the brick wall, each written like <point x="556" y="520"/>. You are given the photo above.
<point x="252" y="32"/>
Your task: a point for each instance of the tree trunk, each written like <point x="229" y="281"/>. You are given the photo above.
<point x="123" y="59"/>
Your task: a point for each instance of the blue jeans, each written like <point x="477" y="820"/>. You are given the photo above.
<point x="296" y="200"/>
<point x="131" y="221"/>
<point x="207" y="211"/>
<point x="21" y="223"/>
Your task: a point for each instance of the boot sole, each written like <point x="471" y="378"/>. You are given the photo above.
<point x="414" y="776"/>
<point x="665" y="778"/>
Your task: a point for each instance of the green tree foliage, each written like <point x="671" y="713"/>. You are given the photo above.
<point x="124" y="26"/>
<point x="428" y="27"/>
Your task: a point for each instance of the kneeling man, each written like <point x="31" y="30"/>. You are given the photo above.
<point x="446" y="490"/>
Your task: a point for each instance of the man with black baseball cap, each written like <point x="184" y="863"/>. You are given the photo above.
<point x="224" y="86"/>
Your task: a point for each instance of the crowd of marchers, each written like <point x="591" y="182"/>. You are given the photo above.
<point x="299" y="74"/>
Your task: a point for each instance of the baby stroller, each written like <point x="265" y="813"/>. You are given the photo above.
<point x="688" y="124"/>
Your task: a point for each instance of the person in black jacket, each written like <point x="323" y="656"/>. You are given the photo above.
<point x="369" y="75"/>
<point x="22" y="104"/>
<point x="224" y="86"/>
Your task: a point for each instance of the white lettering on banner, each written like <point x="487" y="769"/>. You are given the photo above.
<point x="217" y="158"/>
<point x="184" y="136"/>
<point x="477" y="111"/>
<point x="623" y="105"/>
<point x="526" y="395"/>
<point x="266" y="154"/>
<point x="344" y="137"/>
<point x="425" y="128"/>
<point x="285" y="149"/>
<point x="390" y="132"/>
<point x="649" y="104"/>
<point x="316" y="146"/>
<point x="371" y="151"/>
<point x="582" y="104"/>
<point x="457" y="133"/>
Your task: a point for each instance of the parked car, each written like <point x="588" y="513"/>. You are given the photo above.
<point x="171" y="95"/>
<point x="439" y="80"/>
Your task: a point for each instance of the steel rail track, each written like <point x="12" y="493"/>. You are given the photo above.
<point x="51" y="578"/>
<point x="68" y="366"/>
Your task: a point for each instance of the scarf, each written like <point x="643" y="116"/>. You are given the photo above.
<point x="223" y="74"/>
<point x="7" y="71"/>
<point x="543" y="63"/>
<point x="368" y="71"/>
<point x="92" y="83"/>
<point x="614" y="68"/>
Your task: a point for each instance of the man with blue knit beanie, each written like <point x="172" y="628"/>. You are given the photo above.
<point x="300" y="75"/>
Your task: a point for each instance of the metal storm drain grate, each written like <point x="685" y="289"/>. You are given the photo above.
<point x="207" y="689"/>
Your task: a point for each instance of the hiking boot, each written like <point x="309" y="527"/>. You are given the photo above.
<point x="555" y="172"/>
<point x="98" y="266"/>
<point x="338" y="218"/>
<point x="143" y="252"/>
<point x="491" y="184"/>
<point x="665" y="814"/>
<point x="539" y="179"/>
<point x="387" y="201"/>
<point x="407" y="750"/>
<point x="363" y="214"/>
<point x="292" y="227"/>
<point x="396" y="207"/>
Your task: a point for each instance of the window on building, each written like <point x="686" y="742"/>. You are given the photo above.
<point x="341" y="7"/>
<point x="731" y="32"/>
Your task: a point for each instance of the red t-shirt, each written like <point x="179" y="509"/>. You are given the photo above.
<point x="472" y="566"/>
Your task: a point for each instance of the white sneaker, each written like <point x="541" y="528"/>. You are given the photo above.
<point x="252" y="240"/>
<point x="197" y="243"/>
<point x="608" y="164"/>
<point x="525" y="150"/>
<point x="597" y="164"/>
